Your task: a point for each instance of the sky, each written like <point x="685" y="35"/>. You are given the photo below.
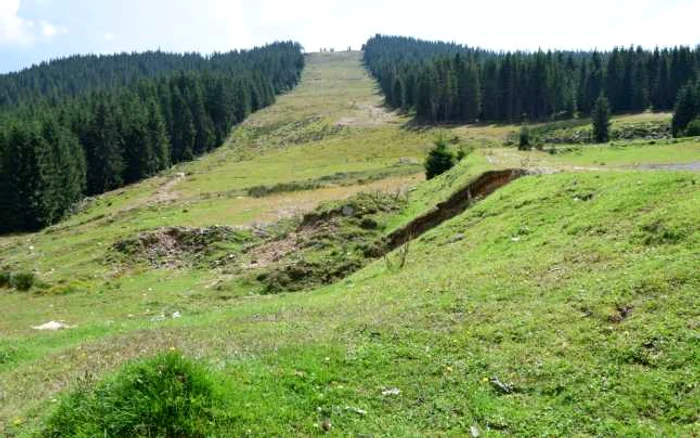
<point x="32" y="31"/>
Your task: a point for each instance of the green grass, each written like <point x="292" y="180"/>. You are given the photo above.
<point x="579" y="289"/>
<point x="635" y="153"/>
<point x="166" y="396"/>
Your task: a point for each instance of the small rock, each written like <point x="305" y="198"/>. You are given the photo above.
<point x="52" y="326"/>
<point x="457" y="238"/>
<point x="474" y="431"/>
<point x="391" y="391"/>
<point x="177" y="315"/>
<point x="326" y="425"/>
<point x="358" y="411"/>
<point x="500" y="386"/>
<point x="348" y="210"/>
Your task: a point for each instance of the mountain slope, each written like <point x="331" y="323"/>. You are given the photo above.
<point x="561" y="304"/>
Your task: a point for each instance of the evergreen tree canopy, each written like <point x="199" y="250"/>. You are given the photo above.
<point x="450" y="82"/>
<point x="439" y="160"/>
<point x="687" y="108"/>
<point x="601" y="120"/>
<point x="88" y="124"/>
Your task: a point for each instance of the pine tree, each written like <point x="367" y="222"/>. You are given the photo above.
<point x="104" y="150"/>
<point x="68" y="180"/>
<point x="687" y="108"/>
<point x="184" y="133"/>
<point x="601" y="120"/>
<point x="157" y="137"/>
<point x="470" y="92"/>
<point x="439" y="160"/>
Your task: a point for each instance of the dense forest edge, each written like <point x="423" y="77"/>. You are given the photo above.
<point x="447" y="82"/>
<point x="85" y="125"/>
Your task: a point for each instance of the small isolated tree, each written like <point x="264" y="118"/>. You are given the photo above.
<point x="686" y="109"/>
<point x="524" y="143"/>
<point x="439" y="160"/>
<point x="601" y="120"/>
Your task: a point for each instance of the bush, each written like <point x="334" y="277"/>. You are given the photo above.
<point x="439" y="160"/>
<point x="5" y="279"/>
<point x="463" y="152"/>
<point x="167" y="396"/>
<point x="22" y="281"/>
<point x="524" y="142"/>
<point x="693" y="129"/>
<point x="601" y="120"/>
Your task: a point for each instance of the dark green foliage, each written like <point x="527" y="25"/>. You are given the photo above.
<point x="687" y="108"/>
<point x="463" y="152"/>
<point x="449" y="82"/>
<point x="127" y="118"/>
<point x="440" y="159"/>
<point x="524" y="139"/>
<point x="601" y="120"/>
<point x="693" y="129"/>
<point x="22" y="281"/>
<point x="167" y="396"/>
<point x="5" y="279"/>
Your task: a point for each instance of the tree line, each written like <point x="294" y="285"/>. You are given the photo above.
<point x="60" y="142"/>
<point x="444" y="82"/>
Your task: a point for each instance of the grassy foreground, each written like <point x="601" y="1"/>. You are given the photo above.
<point x="563" y="304"/>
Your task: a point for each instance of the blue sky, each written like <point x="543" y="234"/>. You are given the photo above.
<point x="36" y="30"/>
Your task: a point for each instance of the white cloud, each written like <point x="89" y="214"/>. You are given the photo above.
<point x="16" y="30"/>
<point x="48" y="30"/>
<point x="13" y="29"/>
<point x="109" y="36"/>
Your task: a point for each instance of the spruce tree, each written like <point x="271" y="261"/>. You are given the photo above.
<point x="687" y="108"/>
<point x="439" y="160"/>
<point x="104" y="150"/>
<point x="601" y="120"/>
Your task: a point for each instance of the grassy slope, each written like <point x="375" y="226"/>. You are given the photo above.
<point x="529" y="292"/>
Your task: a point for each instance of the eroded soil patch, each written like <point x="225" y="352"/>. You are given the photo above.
<point x="177" y="247"/>
<point x="328" y="244"/>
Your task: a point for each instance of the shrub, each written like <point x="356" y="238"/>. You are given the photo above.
<point x="22" y="281"/>
<point x="463" y="152"/>
<point x="5" y="279"/>
<point x="524" y="143"/>
<point x="439" y="160"/>
<point x="167" y="396"/>
<point x="601" y="120"/>
<point x="693" y="129"/>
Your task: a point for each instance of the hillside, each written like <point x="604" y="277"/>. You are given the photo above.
<point x="562" y="304"/>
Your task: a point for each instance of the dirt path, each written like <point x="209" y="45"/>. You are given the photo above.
<point x="165" y="192"/>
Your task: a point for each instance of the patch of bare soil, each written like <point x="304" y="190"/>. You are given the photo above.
<point x="329" y="243"/>
<point x="165" y="192"/>
<point x="176" y="247"/>
<point x="368" y="115"/>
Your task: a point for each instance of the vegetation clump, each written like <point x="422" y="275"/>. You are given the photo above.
<point x="440" y="159"/>
<point x="167" y="396"/>
<point x="524" y="139"/>
<point x="21" y="281"/>
<point x="601" y="120"/>
<point x="686" y="110"/>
